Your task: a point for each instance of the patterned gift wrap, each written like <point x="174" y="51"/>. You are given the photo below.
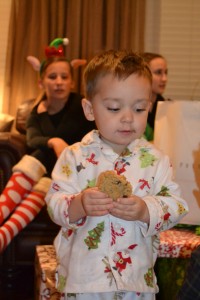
<point x="178" y="243"/>
<point x="45" y="268"/>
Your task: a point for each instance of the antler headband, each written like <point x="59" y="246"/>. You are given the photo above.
<point x="55" y="49"/>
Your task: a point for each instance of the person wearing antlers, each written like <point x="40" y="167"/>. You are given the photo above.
<point x="56" y="121"/>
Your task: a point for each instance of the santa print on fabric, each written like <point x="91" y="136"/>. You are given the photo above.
<point x="108" y="270"/>
<point x="122" y="258"/>
<point x="144" y="183"/>
<point x="120" y="166"/>
<point x="90" y="160"/>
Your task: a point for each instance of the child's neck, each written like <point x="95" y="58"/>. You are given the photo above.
<point x="119" y="149"/>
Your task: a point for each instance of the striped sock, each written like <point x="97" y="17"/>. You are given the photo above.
<point x="25" y="173"/>
<point x="25" y="212"/>
<point x="17" y="187"/>
<point x="21" y="217"/>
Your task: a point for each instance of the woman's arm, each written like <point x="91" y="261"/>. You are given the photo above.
<point x="35" y="137"/>
<point x="57" y="144"/>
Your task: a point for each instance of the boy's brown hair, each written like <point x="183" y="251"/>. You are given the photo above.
<point x="120" y="64"/>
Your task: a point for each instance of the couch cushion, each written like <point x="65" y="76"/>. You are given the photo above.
<point x="6" y="122"/>
<point x="23" y="111"/>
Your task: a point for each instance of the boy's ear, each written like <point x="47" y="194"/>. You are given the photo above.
<point x="88" y="110"/>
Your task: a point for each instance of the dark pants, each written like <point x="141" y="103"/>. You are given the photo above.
<point x="190" y="289"/>
<point x="47" y="158"/>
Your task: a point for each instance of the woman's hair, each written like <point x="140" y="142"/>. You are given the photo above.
<point x="149" y="56"/>
<point x="51" y="60"/>
<point x="120" y="64"/>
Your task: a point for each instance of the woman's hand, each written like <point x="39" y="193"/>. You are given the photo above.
<point x="57" y="144"/>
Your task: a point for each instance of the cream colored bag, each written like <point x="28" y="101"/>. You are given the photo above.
<point x="177" y="133"/>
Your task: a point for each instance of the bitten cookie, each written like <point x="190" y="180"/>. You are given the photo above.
<point x="115" y="186"/>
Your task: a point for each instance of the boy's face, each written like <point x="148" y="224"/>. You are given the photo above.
<point x="120" y="109"/>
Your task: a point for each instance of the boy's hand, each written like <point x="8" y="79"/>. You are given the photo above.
<point x="130" y="209"/>
<point x="96" y="203"/>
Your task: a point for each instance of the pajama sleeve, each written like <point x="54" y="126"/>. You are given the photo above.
<point x="165" y="205"/>
<point x="64" y="188"/>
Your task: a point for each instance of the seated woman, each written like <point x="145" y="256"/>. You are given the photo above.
<point x="56" y="121"/>
<point x="158" y="66"/>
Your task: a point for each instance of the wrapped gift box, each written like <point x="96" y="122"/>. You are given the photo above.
<point x="45" y="268"/>
<point x="174" y="252"/>
<point x="178" y="243"/>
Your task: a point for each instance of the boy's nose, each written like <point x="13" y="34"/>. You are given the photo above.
<point x="127" y="116"/>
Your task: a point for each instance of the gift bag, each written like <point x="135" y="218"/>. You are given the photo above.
<point x="177" y="133"/>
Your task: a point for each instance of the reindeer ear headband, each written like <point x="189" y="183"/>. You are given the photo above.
<point x="55" y="49"/>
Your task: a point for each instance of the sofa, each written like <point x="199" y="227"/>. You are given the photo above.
<point x="6" y="122"/>
<point x="17" y="260"/>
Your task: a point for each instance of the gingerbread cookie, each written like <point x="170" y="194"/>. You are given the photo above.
<point x="115" y="186"/>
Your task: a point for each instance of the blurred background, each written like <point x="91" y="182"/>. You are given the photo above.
<point x="171" y="28"/>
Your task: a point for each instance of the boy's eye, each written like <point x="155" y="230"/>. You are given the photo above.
<point x="112" y="109"/>
<point x="140" y="110"/>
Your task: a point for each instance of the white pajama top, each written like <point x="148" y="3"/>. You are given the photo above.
<point x="104" y="254"/>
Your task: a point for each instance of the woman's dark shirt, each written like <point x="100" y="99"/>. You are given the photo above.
<point x="152" y="114"/>
<point x="69" y="124"/>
